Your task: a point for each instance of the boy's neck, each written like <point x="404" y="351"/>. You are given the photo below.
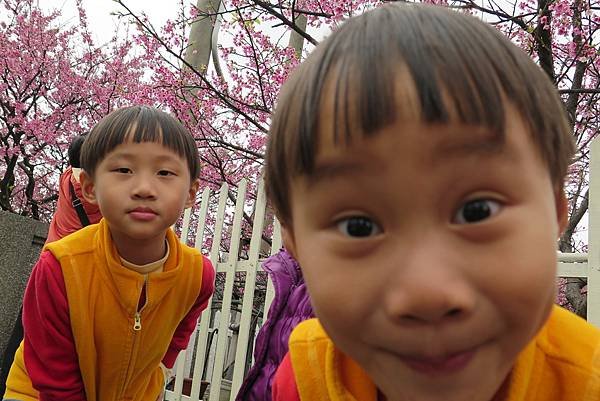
<point x="143" y="251"/>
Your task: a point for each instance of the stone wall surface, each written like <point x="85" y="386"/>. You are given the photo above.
<point x="21" y="240"/>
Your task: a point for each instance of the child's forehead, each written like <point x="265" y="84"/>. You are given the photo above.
<point x="131" y="148"/>
<point x="429" y="151"/>
<point x="438" y="142"/>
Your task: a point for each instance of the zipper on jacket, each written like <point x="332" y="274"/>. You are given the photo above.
<point x="137" y="326"/>
<point x="137" y="322"/>
<point x="137" y="317"/>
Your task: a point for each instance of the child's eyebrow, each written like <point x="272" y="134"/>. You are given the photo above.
<point x="446" y="149"/>
<point x="470" y="146"/>
<point x="479" y="146"/>
<point x="328" y="170"/>
<point x="132" y="155"/>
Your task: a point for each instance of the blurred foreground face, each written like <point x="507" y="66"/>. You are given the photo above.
<point x="429" y="252"/>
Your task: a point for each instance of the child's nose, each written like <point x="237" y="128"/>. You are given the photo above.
<point x="143" y="188"/>
<point x="427" y="289"/>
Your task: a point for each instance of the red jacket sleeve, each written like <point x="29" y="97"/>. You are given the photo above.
<point x="284" y="384"/>
<point x="188" y="324"/>
<point x="49" y="348"/>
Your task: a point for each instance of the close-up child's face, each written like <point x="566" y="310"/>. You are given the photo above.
<point x="429" y="252"/>
<point x="141" y="189"/>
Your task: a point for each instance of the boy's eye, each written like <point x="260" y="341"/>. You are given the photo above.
<point x="475" y="211"/>
<point x="122" y="170"/>
<point x="358" y="226"/>
<point x="165" y="172"/>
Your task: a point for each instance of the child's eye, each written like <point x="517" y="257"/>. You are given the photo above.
<point x="165" y="172"/>
<point x="122" y="170"/>
<point x="475" y="211"/>
<point x="358" y="227"/>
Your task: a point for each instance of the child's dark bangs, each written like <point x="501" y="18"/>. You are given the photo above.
<point x="154" y="126"/>
<point x="421" y="66"/>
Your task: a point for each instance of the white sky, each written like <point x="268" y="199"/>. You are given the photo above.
<point x="102" y="23"/>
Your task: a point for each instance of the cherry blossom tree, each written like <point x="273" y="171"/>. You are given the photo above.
<point x="55" y="83"/>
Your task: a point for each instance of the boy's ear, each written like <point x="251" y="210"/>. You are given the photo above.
<point x="562" y="210"/>
<point x="191" y="199"/>
<point x="289" y="242"/>
<point x="87" y="187"/>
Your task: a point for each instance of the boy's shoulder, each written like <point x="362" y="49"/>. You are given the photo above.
<point x="79" y="242"/>
<point x="186" y="248"/>
<point x="567" y="339"/>
<point x="318" y="365"/>
<point x="192" y="255"/>
<point x="561" y="363"/>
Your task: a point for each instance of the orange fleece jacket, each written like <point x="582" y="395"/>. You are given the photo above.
<point x="562" y="363"/>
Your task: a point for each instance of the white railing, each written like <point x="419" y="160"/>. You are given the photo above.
<point x="225" y="346"/>
<point x="209" y="353"/>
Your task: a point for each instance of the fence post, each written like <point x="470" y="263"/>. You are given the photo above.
<point x="593" y="285"/>
<point x="249" y="287"/>
<point x="232" y="261"/>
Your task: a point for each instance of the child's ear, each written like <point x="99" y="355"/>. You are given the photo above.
<point x="289" y="243"/>
<point x="191" y="199"/>
<point x="562" y="210"/>
<point x="87" y="187"/>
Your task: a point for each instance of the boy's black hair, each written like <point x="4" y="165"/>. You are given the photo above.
<point x="74" y="151"/>
<point x="455" y="67"/>
<point x="138" y="124"/>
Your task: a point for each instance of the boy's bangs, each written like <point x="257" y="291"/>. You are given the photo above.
<point x="369" y="81"/>
<point x="146" y="126"/>
<point x="363" y="102"/>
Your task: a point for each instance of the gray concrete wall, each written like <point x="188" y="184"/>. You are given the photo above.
<point x="21" y="240"/>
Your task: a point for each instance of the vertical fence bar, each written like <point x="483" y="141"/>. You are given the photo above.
<point x="215" y="259"/>
<point x="199" y="239"/>
<point x="277" y="241"/>
<point x="249" y="286"/>
<point x="202" y="333"/>
<point x="179" y="375"/>
<point x="232" y="259"/>
<point x="275" y="246"/>
<point x="593" y="284"/>
<point x="185" y="225"/>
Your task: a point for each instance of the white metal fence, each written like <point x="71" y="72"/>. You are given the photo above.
<point x="222" y="344"/>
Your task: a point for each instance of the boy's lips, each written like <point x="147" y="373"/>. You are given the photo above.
<point x="142" y="213"/>
<point x="443" y="365"/>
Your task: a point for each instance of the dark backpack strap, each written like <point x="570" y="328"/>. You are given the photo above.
<point x="78" y="206"/>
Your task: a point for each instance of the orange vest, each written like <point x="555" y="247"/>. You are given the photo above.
<point x="562" y="363"/>
<point x="116" y="361"/>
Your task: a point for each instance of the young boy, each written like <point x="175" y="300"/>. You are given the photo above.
<point x="416" y="161"/>
<point x="105" y="307"/>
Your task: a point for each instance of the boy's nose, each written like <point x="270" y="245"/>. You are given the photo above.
<point x="143" y="189"/>
<point x="429" y="289"/>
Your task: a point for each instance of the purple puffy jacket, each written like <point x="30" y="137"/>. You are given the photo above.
<point x="290" y="306"/>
